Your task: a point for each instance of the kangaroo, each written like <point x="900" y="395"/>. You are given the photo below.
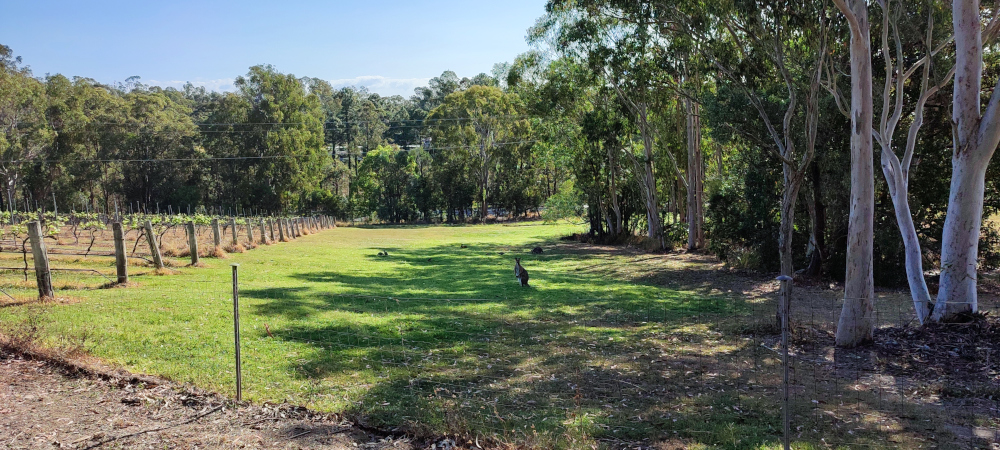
<point x="520" y="273"/>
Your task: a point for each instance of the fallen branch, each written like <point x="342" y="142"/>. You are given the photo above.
<point x="151" y="430"/>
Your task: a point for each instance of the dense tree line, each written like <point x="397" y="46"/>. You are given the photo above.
<point x="278" y="143"/>
<point x="745" y="127"/>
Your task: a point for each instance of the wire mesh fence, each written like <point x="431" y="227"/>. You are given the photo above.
<point x="619" y="372"/>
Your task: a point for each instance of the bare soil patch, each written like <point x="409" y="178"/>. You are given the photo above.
<point x="48" y="405"/>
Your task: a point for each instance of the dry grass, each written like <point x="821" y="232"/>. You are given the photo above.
<point x="169" y="249"/>
<point x="218" y="252"/>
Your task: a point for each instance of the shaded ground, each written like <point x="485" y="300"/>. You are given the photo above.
<point x="43" y="405"/>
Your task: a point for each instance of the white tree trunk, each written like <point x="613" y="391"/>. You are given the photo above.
<point x="899" y="192"/>
<point x="857" y="318"/>
<point x="960" y="242"/>
<point x="975" y="140"/>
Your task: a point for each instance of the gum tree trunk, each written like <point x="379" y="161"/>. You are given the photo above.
<point x="960" y="242"/>
<point x="975" y="140"/>
<point x="696" y="237"/>
<point x="857" y="318"/>
<point x="914" y="258"/>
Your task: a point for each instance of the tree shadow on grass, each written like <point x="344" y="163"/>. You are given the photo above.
<point x="554" y="363"/>
<point x="570" y="361"/>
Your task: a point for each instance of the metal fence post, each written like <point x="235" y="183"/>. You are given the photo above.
<point x="784" y="299"/>
<point x="236" y="331"/>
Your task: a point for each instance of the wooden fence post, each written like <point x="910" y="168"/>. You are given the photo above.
<point x="232" y="223"/>
<point x="295" y="227"/>
<point x="192" y="242"/>
<point x="281" y="229"/>
<point x="216" y="233"/>
<point x="121" y="259"/>
<point x="153" y="248"/>
<point x="270" y="226"/>
<point x="42" y="274"/>
<point x="250" y="233"/>
<point x="263" y="233"/>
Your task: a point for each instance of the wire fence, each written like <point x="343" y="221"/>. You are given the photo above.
<point x="618" y="372"/>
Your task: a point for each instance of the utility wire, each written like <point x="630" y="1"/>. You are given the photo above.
<point x="225" y="158"/>
<point x="421" y="122"/>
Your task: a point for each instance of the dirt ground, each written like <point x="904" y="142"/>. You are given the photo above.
<point x="46" y="405"/>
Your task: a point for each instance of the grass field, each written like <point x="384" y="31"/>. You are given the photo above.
<point x="438" y="338"/>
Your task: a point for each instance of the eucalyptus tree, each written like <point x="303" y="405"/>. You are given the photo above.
<point x="431" y="96"/>
<point x="857" y="321"/>
<point x="556" y="94"/>
<point x="156" y="134"/>
<point x="272" y="130"/>
<point x="619" y="40"/>
<point x="384" y="177"/>
<point x="976" y="133"/>
<point x="24" y="130"/>
<point x="358" y="126"/>
<point x="480" y="121"/>
<point x="752" y="43"/>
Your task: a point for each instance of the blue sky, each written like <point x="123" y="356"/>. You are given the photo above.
<point x="390" y="46"/>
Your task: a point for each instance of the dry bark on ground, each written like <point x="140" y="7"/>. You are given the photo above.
<point x="44" y="405"/>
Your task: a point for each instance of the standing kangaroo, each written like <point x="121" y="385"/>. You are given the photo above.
<point x="520" y="273"/>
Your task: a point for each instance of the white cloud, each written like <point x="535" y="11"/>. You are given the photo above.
<point x="220" y="85"/>
<point x="383" y="85"/>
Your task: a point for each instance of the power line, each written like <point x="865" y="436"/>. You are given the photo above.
<point x="421" y="122"/>
<point x="225" y="158"/>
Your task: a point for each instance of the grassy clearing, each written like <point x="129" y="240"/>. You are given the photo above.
<point x="437" y="337"/>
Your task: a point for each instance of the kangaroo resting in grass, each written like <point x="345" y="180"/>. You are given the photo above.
<point x="520" y="273"/>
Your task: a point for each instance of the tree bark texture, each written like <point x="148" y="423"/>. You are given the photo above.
<point x="975" y="141"/>
<point x="857" y="318"/>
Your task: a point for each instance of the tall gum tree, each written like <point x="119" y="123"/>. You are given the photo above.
<point x="857" y="318"/>
<point x="975" y="135"/>
<point x="480" y="120"/>
<point x="761" y="35"/>
<point x="897" y="171"/>
<point x="627" y="42"/>
<point x="24" y="130"/>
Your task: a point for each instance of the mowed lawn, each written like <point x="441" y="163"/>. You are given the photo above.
<point x="437" y="337"/>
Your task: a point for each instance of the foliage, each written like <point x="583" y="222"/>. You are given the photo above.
<point x="565" y="204"/>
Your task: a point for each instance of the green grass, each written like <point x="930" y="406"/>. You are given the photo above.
<point x="440" y="339"/>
